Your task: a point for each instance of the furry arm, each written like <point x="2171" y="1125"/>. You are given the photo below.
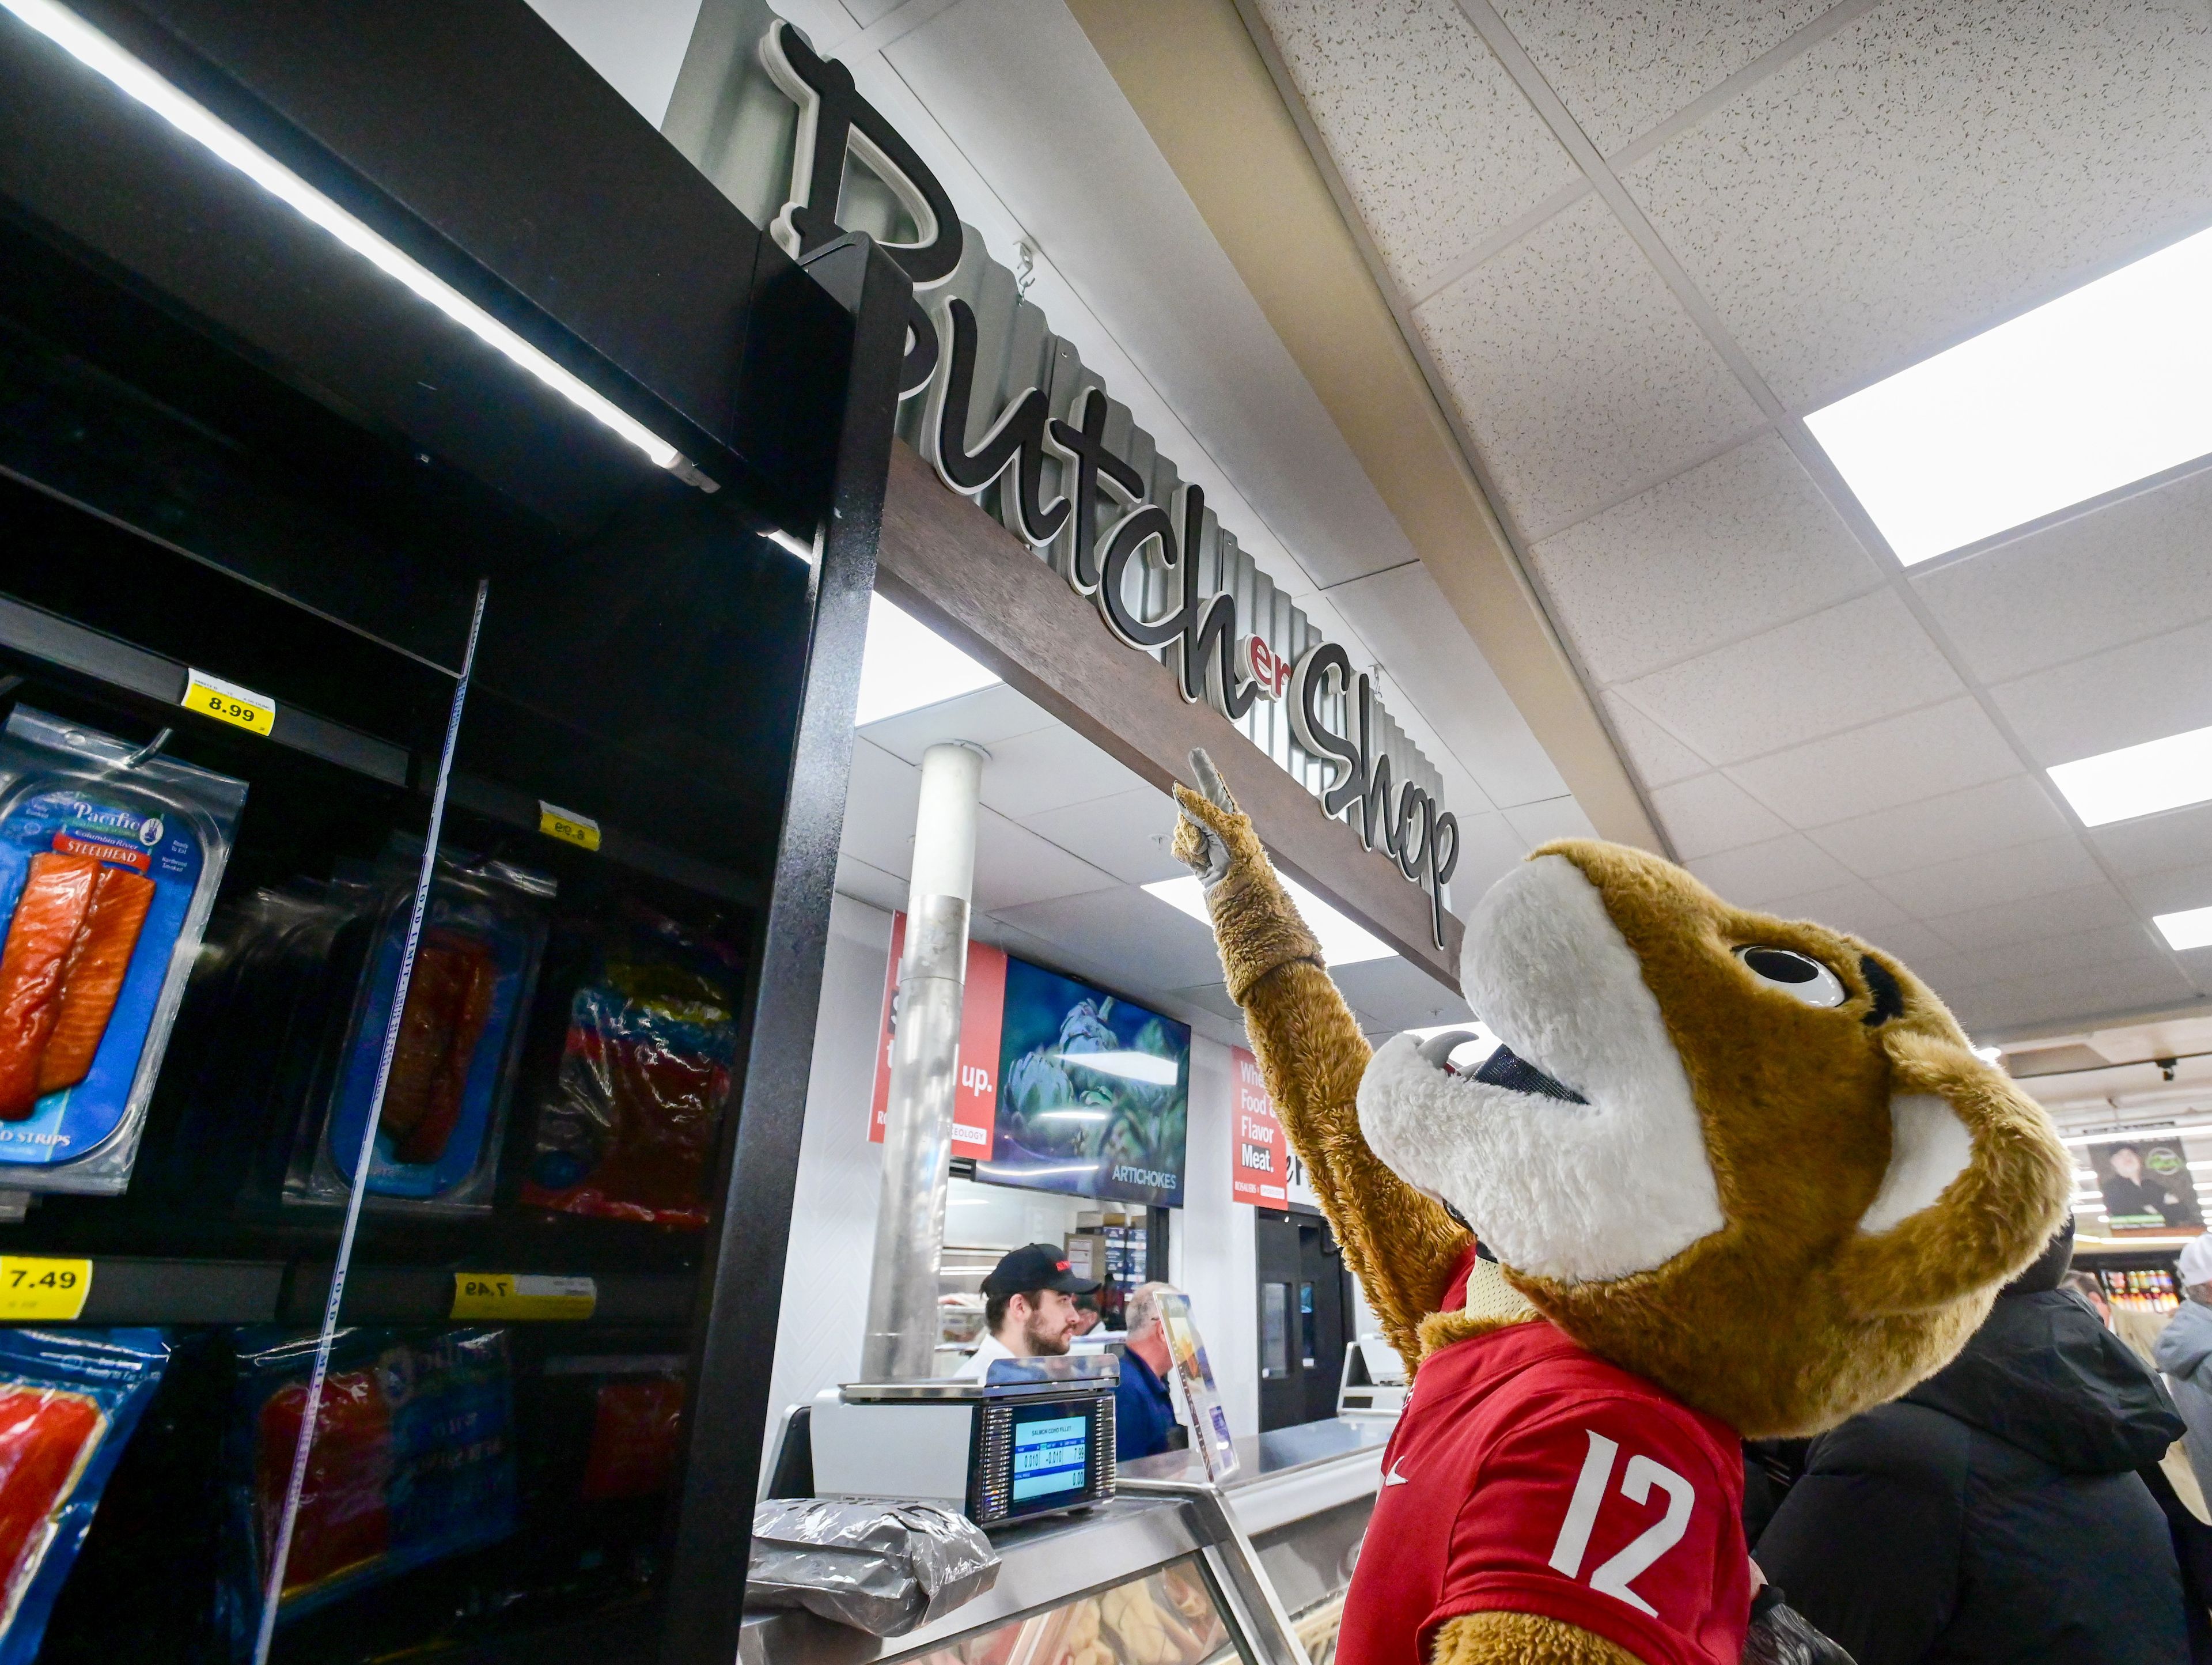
<point x="1401" y="1244"/>
<point x="1522" y="1639"/>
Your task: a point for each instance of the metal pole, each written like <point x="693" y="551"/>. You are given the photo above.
<point x="901" y="1334"/>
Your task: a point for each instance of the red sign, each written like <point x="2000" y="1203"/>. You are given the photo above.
<point x="982" y="1007"/>
<point x="1259" y="1155"/>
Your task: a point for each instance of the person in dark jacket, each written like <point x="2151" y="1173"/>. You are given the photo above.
<point x="1994" y="1513"/>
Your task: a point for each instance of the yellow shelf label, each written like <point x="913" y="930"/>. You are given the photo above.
<point x="226" y="702"/>
<point x="514" y="1295"/>
<point x="37" y="1289"/>
<point x="567" y="825"/>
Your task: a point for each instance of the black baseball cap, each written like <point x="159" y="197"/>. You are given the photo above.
<point x="1036" y="1265"/>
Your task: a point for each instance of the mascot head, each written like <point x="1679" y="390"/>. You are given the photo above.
<point x="1750" y="1159"/>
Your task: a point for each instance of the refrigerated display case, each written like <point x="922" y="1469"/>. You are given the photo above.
<point x="440" y="531"/>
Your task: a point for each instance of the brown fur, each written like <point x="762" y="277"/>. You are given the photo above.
<point x="1522" y="1639"/>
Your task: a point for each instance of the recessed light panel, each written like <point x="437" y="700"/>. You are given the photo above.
<point x="2086" y="394"/>
<point x="907" y="666"/>
<point x="2139" y="780"/>
<point x="1342" y="942"/>
<point x="2191" y="929"/>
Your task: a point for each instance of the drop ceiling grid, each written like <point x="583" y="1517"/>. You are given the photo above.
<point x="1792" y="796"/>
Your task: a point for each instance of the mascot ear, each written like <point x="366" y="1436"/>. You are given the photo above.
<point x="1976" y="1183"/>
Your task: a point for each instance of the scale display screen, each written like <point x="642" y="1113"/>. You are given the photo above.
<point x="1051" y="1455"/>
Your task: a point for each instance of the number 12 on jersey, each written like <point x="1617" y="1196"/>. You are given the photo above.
<point x="1643" y="1474"/>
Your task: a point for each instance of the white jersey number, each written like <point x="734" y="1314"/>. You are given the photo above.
<point x="1655" y="1540"/>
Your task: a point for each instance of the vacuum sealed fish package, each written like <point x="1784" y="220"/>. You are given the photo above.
<point x="68" y="1400"/>
<point x="627" y="1127"/>
<point x="437" y="1138"/>
<point x="109" y="865"/>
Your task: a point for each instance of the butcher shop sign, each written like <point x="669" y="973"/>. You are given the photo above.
<point x="1008" y="416"/>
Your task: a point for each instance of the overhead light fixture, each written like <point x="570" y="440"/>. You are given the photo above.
<point x="1146" y="1067"/>
<point x="2086" y="394"/>
<point x="1990" y="1056"/>
<point x="2189" y="929"/>
<point x="1342" y="942"/>
<point x="2134" y="1135"/>
<point x="907" y="666"/>
<point x="2138" y="779"/>
<point x="102" y="56"/>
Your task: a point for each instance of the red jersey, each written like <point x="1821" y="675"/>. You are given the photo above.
<point x="1528" y="1475"/>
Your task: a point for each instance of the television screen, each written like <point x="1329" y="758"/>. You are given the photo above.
<point x="1094" y="1092"/>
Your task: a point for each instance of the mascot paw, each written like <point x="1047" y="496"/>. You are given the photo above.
<point x="1256" y="925"/>
<point x="1523" y="1638"/>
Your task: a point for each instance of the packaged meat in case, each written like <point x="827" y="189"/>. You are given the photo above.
<point x="109" y="862"/>
<point x="67" y="1402"/>
<point x="437" y="1137"/>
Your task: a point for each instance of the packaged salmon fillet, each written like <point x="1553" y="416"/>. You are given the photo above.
<point x="461" y="1029"/>
<point x="109" y="865"/>
<point x="68" y="1400"/>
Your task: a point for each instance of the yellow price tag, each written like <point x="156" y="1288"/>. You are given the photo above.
<point x="226" y="702"/>
<point x="567" y="825"/>
<point x="521" y="1295"/>
<point x="35" y="1289"/>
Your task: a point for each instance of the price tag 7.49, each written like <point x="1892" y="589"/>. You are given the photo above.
<point x="36" y="1288"/>
<point x="227" y="702"/>
<point x="568" y="826"/>
<point x="505" y="1295"/>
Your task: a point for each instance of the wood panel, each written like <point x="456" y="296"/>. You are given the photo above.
<point x="957" y="570"/>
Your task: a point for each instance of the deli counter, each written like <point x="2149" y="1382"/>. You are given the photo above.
<point x="1173" y="1571"/>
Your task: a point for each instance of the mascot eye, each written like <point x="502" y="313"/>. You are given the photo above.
<point x="1798" y="976"/>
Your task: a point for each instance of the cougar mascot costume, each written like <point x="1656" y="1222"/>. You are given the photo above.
<point x="1732" y="1176"/>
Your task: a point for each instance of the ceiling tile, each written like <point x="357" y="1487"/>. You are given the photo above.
<point x="2018" y="874"/>
<point x="1742" y="543"/>
<point x="1930" y="169"/>
<point x="987" y="716"/>
<point x="1549" y="818"/>
<point x="1857" y="908"/>
<point x="2084" y="907"/>
<point x="1397" y="995"/>
<point x="2173" y="889"/>
<point x="1623" y="69"/>
<point x="1214" y="998"/>
<point x="1489" y="849"/>
<point x="2131" y="569"/>
<point x="1152" y="945"/>
<point x="881" y="796"/>
<point x="1710" y="813"/>
<point x="872" y="885"/>
<point x="1577" y="371"/>
<point x="1896" y="761"/>
<point x="2121" y="697"/>
<point x="2111" y="944"/>
<point x="2157" y="843"/>
<point x="1659" y="758"/>
<point x="1405" y="621"/>
<point x="1411" y="79"/>
<point x="1753" y="876"/>
<point x="1126" y="834"/>
<point x="1994" y="816"/>
<point x="1838" y="670"/>
<point x="1907" y="942"/>
<point x="2073" y="992"/>
<point x="1013" y="866"/>
<point x="1048" y="769"/>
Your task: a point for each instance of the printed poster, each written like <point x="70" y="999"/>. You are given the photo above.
<point x="2147" y="1187"/>
<point x="1263" y="1170"/>
<point x="982" y="1002"/>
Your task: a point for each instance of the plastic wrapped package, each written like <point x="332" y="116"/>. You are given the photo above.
<point x="882" y="1568"/>
<point x="453" y="1072"/>
<point x="413" y="1461"/>
<point x="108" y="869"/>
<point x="628" y="1125"/>
<point x="67" y="1402"/>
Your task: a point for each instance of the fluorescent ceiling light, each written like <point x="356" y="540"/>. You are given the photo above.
<point x="1069" y="1115"/>
<point x="98" y="53"/>
<point x="2138" y="779"/>
<point x="2191" y="929"/>
<point x="2086" y="394"/>
<point x="1342" y="942"/>
<point x="2134" y="1135"/>
<point x="1149" y="1068"/>
<point x="907" y="666"/>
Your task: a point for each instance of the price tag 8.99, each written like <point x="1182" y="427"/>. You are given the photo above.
<point x="36" y="1288"/>
<point x="227" y="703"/>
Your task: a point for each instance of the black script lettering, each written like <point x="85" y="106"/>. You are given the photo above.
<point x="1196" y="624"/>
<point x="1123" y="543"/>
<point x="1085" y="444"/>
<point x="1443" y="831"/>
<point x="1018" y="437"/>
<point x="1319" y="667"/>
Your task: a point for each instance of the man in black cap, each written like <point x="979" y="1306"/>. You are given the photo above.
<point x="1026" y="1308"/>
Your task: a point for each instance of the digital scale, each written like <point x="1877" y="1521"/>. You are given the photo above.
<point x="1035" y="1438"/>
